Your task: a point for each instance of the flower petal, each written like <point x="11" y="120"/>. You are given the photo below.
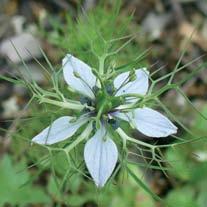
<point x="138" y="86"/>
<point x="100" y="156"/>
<point x="87" y="79"/>
<point x="152" y="123"/>
<point x="120" y="115"/>
<point x="59" y="130"/>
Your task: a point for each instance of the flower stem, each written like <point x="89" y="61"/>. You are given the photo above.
<point x="136" y="95"/>
<point x="127" y="138"/>
<point x="100" y="113"/>
<point x="67" y="105"/>
<point x="101" y="64"/>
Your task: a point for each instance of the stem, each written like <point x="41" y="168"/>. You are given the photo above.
<point x="99" y="113"/>
<point x="67" y="105"/>
<point x="127" y="138"/>
<point x="160" y="92"/>
<point x="101" y="64"/>
<point x="165" y="88"/>
<point x="100" y="79"/>
<point x="181" y="57"/>
<point x="136" y="95"/>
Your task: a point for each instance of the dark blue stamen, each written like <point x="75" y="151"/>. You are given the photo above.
<point x="110" y="89"/>
<point x="95" y="89"/>
<point x="115" y="124"/>
<point x="85" y="100"/>
<point x="86" y="110"/>
<point x="94" y="126"/>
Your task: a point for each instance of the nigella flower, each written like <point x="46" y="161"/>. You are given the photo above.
<point x="108" y="101"/>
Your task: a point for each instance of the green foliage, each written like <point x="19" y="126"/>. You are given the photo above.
<point x="103" y="29"/>
<point x="90" y="37"/>
<point x="189" y="168"/>
<point x="182" y="197"/>
<point x="180" y="163"/>
<point x="15" y="186"/>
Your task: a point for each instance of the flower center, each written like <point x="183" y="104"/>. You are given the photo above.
<point x="105" y="101"/>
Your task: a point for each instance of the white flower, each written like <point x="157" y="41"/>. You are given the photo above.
<point x="106" y="105"/>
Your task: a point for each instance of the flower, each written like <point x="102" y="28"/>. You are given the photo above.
<point x="107" y="101"/>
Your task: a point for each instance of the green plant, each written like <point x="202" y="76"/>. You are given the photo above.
<point x="93" y="39"/>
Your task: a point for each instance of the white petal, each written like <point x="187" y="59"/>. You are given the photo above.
<point x="61" y="129"/>
<point x="120" y="115"/>
<point x="101" y="157"/>
<point x="87" y="81"/>
<point x="138" y="86"/>
<point x="152" y="123"/>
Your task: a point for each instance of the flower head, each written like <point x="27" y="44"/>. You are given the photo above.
<point x="108" y="102"/>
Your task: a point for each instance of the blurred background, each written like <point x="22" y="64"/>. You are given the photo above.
<point x="162" y="26"/>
